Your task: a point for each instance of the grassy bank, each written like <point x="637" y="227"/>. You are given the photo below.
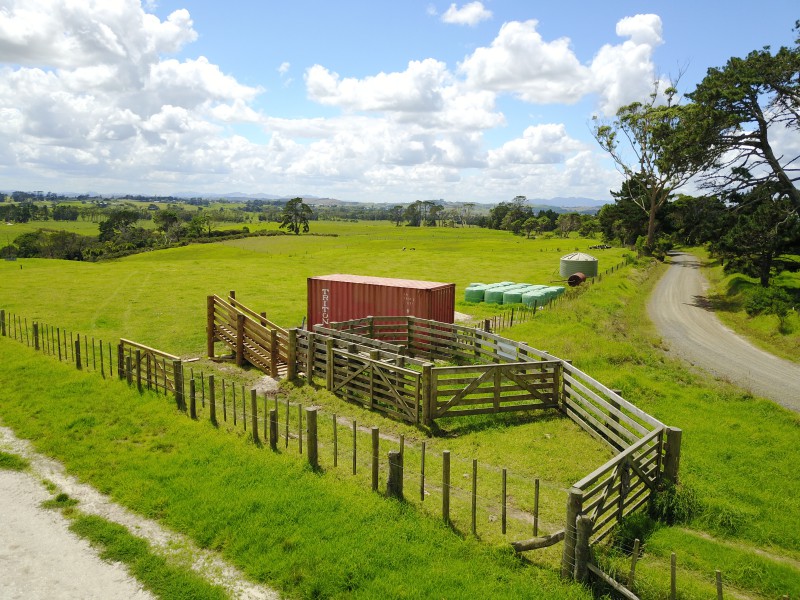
<point x="729" y="294"/>
<point x="284" y="524"/>
<point x="309" y="535"/>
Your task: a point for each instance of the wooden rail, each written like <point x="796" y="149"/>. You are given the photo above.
<point x="150" y="368"/>
<point x="252" y="336"/>
<point x="494" y="388"/>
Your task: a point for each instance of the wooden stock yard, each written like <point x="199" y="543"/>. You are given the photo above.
<point x="386" y="364"/>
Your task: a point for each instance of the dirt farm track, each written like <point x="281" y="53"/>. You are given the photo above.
<point x="680" y="311"/>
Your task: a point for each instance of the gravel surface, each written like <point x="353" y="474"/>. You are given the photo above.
<point x="40" y="558"/>
<point x="682" y="313"/>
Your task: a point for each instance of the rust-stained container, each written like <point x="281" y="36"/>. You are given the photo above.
<point x="333" y="298"/>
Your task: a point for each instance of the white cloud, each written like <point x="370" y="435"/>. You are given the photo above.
<point x="91" y="92"/>
<point x="539" y="144"/>
<point x="520" y="62"/>
<point x="417" y="89"/>
<point x="624" y="73"/>
<point x="469" y="14"/>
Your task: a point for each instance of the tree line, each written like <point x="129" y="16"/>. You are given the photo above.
<point x="723" y="136"/>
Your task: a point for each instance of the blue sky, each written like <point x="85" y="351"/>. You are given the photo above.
<point x="363" y="101"/>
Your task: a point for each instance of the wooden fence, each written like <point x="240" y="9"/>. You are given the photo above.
<point x="495" y="388"/>
<point x="392" y="373"/>
<point x="252" y="337"/>
<point x="152" y="369"/>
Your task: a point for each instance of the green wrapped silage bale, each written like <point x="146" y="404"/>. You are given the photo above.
<point x="513" y="296"/>
<point x="495" y="295"/>
<point x="536" y="296"/>
<point x="475" y="293"/>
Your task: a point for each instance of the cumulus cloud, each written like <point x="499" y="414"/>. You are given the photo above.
<point x="469" y="14"/>
<point x="539" y="144"/>
<point x="625" y="72"/>
<point x="92" y="90"/>
<point x="417" y="89"/>
<point x="520" y="62"/>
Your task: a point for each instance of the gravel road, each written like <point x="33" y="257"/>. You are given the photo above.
<point x="682" y="313"/>
<point x="41" y="558"/>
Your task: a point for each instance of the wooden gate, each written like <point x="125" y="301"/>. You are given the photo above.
<point x="495" y="388"/>
<point x="376" y="384"/>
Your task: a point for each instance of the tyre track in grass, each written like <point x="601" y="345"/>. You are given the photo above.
<point x="174" y="546"/>
<point x="682" y="313"/>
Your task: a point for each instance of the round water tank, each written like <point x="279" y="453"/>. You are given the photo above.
<point x="578" y="262"/>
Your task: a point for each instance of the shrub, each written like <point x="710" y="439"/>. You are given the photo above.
<point x="674" y="504"/>
<point x="635" y="526"/>
<point x="768" y="301"/>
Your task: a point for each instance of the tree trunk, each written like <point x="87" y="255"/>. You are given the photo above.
<point x="764" y="268"/>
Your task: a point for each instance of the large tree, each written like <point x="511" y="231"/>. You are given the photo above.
<point x="767" y="227"/>
<point x="742" y="108"/>
<point x="296" y="215"/>
<point x="650" y="143"/>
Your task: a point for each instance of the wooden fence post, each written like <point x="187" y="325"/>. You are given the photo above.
<point x="212" y="404"/>
<point x="536" y="508"/>
<point x="574" y="508"/>
<point x="254" y="415"/>
<point x="192" y="400"/>
<point x="503" y="505"/>
<point x="239" y="340"/>
<point x="311" y="423"/>
<point x="718" y="577"/>
<point x="129" y="370"/>
<point x="120" y="359"/>
<point x="139" y="370"/>
<point x="355" y="438"/>
<point x="446" y="486"/>
<point x="672" y="456"/>
<point x="177" y="375"/>
<point x="634" y="559"/>
<point x="273" y="353"/>
<point x="291" y="365"/>
<point x="210" y="337"/>
<point x="335" y="442"/>
<point x="310" y="352"/>
<point x="3" y="322"/>
<point x="36" y="335"/>
<point x="375" y="449"/>
<point x="330" y="364"/>
<point x="673" y="577"/>
<point x="273" y="429"/>
<point x="78" y="364"/>
<point x="583" y="526"/>
<point x="394" y="485"/>
<point x="474" y="496"/>
<point x="427" y="402"/>
<point x="422" y="473"/>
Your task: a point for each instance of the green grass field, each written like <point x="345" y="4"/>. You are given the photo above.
<point x="739" y="452"/>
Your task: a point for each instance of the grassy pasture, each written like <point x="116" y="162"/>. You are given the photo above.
<point x="739" y="453"/>
<point x="729" y="296"/>
<point x="159" y="298"/>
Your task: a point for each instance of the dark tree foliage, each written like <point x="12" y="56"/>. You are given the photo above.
<point x="296" y="215"/>
<point x="742" y="108"/>
<point x="767" y="227"/>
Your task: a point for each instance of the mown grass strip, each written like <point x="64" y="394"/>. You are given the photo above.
<point x="282" y="524"/>
<point x="12" y="462"/>
<point x="116" y="543"/>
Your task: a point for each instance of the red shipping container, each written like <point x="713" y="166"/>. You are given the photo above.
<point x="333" y="298"/>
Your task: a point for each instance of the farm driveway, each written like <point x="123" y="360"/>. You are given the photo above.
<point x="683" y="315"/>
<point x="41" y="558"/>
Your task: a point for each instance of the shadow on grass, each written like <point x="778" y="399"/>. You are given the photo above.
<point x="451" y="427"/>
